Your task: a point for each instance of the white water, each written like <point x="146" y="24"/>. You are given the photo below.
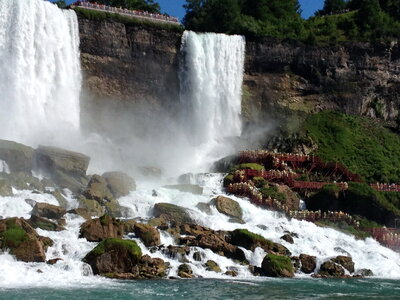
<point x="211" y="85"/>
<point x="40" y="78"/>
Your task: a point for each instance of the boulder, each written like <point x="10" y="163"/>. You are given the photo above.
<point x="97" y="189"/>
<point x="185" y="271"/>
<point x="186" y="188"/>
<point x="178" y="253"/>
<point x="228" y="207"/>
<point x="24" y="181"/>
<point x="331" y="269"/>
<point x="60" y="198"/>
<point x="21" y="239"/>
<point x="198" y="236"/>
<point x="172" y="212"/>
<point x="92" y="206"/>
<point x="288" y="238"/>
<point x="66" y="168"/>
<point x="277" y="266"/>
<point x="364" y="273"/>
<point x="232" y="273"/>
<point x="83" y="212"/>
<point x="48" y="211"/>
<point x="250" y="241"/>
<point x="114" y="255"/>
<point x="292" y="200"/>
<point x="119" y="183"/>
<point x="17" y="156"/>
<point x="308" y="263"/>
<point x="212" y="266"/>
<point x="30" y="202"/>
<point x="45" y="224"/>
<point x="147" y="233"/>
<point x="114" y="209"/>
<point x="53" y="261"/>
<point x="345" y="261"/>
<point x="5" y="188"/>
<point x="100" y="229"/>
<point x="197" y="256"/>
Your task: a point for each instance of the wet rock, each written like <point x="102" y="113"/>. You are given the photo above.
<point x="186" y="188"/>
<point x="45" y="224"/>
<point x="296" y="263"/>
<point x="212" y="266"/>
<point x="60" y="198"/>
<point x="345" y="261"/>
<point x="147" y="233"/>
<point x="31" y="202"/>
<point x="177" y="252"/>
<point x="331" y="269"/>
<point x="53" y="261"/>
<point x="24" y="181"/>
<point x="364" y="273"/>
<point x="83" y="212"/>
<point x="291" y="198"/>
<point x="66" y="168"/>
<point x="17" y="156"/>
<point x="228" y="207"/>
<point x="114" y="209"/>
<point x="172" y="212"/>
<point x="204" y="207"/>
<point x="250" y="241"/>
<point x="92" y="206"/>
<point x="185" y="271"/>
<point x="5" y="188"/>
<point x="150" y="268"/>
<point x="198" y="236"/>
<point x="100" y="229"/>
<point x="160" y="222"/>
<point x="231" y="273"/>
<point x="277" y="266"/>
<point x="48" y="211"/>
<point x="98" y="190"/>
<point x="288" y="238"/>
<point x="236" y="220"/>
<point x="21" y="239"/>
<point x="197" y="256"/>
<point x="308" y="263"/>
<point x="119" y="183"/>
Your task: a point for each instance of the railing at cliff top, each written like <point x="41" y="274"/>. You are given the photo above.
<point x="126" y="12"/>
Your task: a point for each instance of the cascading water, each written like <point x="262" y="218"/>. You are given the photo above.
<point x="40" y="78"/>
<point x="211" y="85"/>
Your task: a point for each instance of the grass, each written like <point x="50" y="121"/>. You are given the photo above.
<point x="118" y="244"/>
<point x="272" y="191"/>
<point x="250" y="166"/>
<point x="279" y="263"/>
<point x="14" y="235"/>
<point x="364" y="146"/>
<point x="106" y="16"/>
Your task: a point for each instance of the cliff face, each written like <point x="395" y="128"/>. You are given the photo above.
<point x="284" y="79"/>
<point x="137" y="66"/>
<point x="127" y="66"/>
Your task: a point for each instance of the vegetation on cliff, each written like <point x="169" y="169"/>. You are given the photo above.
<point x="338" y="21"/>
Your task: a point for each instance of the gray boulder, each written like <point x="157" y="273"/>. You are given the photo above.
<point x="17" y="156"/>
<point x="5" y="188"/>
<point x="173" y="213"/>
<point x="119" y="183"/>
<point x="228" y="207"/>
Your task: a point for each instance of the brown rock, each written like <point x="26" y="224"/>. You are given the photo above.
<point x="83" y="212"/>
<point x="288" y="238"/>
<point x="147" y="233"/>
<point x="308" y="263"/>
<point x="345" y="261"/>
<point x="228" y="207"/>
<point x="97" y="230"/>
<point x="48" y="211"/>
<point x="97" y="189"/>
<point x="53" y="261"/>
<point x="185" y="271"/>
<point x="331" y="269"/>
<point x="292" y="200"/>
<point x="45" y="224"/>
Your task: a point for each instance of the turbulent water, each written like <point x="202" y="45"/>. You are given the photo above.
<point x="40" y="82"/>
<point x="40" y="78"/>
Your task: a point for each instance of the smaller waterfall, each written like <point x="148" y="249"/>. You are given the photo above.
<point x="211" y="85"/>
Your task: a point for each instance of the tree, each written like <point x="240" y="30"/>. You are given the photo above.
<point x="61" y="4"/>
<point x="145" y="5"/>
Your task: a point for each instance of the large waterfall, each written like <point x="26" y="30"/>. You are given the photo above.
<point x="211" y="85"/>
<point x="40" y="78"/>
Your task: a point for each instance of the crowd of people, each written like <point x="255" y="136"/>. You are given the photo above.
<point x="387" y="236"/>
<point x="386" y="187"/>
<point x="331" y="216"/>
<point x="264" y="155"/>
<point x="125" y="11"/>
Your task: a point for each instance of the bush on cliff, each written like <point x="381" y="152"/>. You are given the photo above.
<point x="277" y="266"/>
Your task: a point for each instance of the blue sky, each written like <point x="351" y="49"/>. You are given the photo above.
<point x="174" y="7"/>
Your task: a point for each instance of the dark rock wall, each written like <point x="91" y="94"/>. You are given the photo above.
<point x="137" y="65"/>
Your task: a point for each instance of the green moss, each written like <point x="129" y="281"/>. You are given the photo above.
<point x="13" y="237"/>
<point x="272" y="191"/>
<point x="248" y="239"/>
<point x="363" y="145"/>
<point x="118" y="244"/>
<point x="279" y="263"/>
<point x="105" y="16"/>
<point x="46" y="226"/>
<point x="259" y="181"/>
<point x="250" y="166"/>
<point x="228" y="179"/>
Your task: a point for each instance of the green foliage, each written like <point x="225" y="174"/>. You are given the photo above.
<point x="13" y="237"/>
<point x="250" y="166"/>
<point x="362" y="145"/>
<point x="248" y="239"/>
<point x="272" y="191"/>
<point x="105" y="16"/>
<point x="116" y="244"/>
<point x="228" y="179"/>
<point x="332" y="7"/>
<point x="61" y="4"/>
<point x="145" y="5"/>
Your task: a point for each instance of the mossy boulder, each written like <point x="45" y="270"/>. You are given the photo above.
<point x="100" y="229"/>
<point x="119" y="183"/>
<point x="5" y="188"/>
<point x="18" y="157"/>
<point x="228" y="179"/>
<point x="172" y="212"/>
<point x="17" y="235"/>
<point x="48" y="211"/>
<point x="250" y="241"/>
<point x="212" y="266"/>
<point x="92" y="206"/>
<point x="277" y="266"/>
<point x="228" y="207"/>
<point x="66" y="168"/>
<point x="250" y="166"/>
<point x="45" y="224"/>
<point x="114" y="255"/>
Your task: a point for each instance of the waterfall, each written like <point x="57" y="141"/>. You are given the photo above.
<point x="211" y="85"/>
<point x="40" y="78"/>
